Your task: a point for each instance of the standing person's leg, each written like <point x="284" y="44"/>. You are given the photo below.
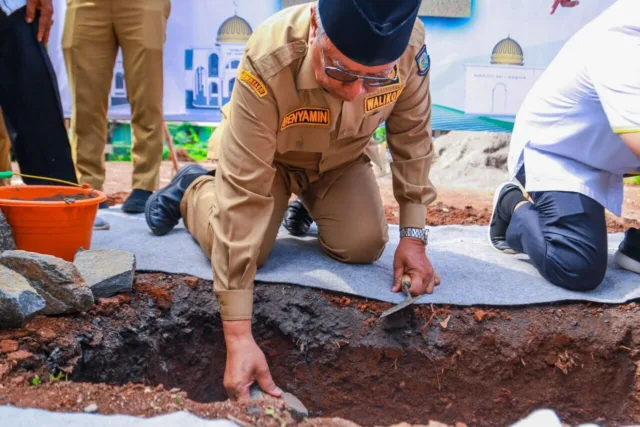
<point x="31" y="102"/>
<point x="5" y="148"/>
<point x="141" y="30"/>
<point x="350" y="215"/>
<point x="90" y="50"/>
<point x="564" y="234"/>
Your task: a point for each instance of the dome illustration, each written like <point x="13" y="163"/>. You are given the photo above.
<point x="234" y="30"/>
<point x="507" y="52"/>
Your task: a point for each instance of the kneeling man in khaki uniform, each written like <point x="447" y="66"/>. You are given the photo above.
<point x="315" y="82"/>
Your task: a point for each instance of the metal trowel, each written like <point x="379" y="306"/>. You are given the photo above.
<point x="406" y="285"/>
<point x="291" y="402"/>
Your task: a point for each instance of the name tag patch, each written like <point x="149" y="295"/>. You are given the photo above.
<point x="254" y="83"/>
<point x="306" y="116"/>
<point x="375" y="102"/>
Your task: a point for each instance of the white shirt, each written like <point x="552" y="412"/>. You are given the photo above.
<point x="567" y="130"/>
<point x="10" y="6"/>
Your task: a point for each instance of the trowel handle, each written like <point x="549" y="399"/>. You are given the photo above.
<point x="406" y="284"/>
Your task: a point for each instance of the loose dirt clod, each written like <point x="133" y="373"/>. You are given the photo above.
<point x="8" y="346"/>
<point x="19" y="355"/>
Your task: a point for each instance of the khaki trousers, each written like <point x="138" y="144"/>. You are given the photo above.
<point x="93" y="32"/>
<point x="5" y="149"/>
<point x="350" y="216"/>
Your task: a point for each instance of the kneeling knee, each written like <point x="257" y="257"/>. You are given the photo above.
<point x="584" y="277"/>
<point x="359" y="249"/>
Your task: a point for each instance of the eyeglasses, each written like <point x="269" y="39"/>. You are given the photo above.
<point x="347" y="77"/>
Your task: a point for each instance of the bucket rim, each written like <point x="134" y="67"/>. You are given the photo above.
<point x="4" y="202"/>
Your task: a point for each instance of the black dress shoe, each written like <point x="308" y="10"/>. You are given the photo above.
<point x="162" y="210"/>
<point x="297" y="219"/>
<point x="503" y="208"/>
<point x="136" y="201"/>
<point x="628" y="254"/>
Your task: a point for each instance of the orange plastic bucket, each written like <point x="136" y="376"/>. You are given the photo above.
<point x="53" y="227"/>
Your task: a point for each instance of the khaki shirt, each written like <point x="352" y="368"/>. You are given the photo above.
<point x="279" y="117"/>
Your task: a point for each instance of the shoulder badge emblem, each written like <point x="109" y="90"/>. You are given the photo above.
<point x="306" y="116"/>
<point x="254" y="83"/>
<point x="423" y="60"/>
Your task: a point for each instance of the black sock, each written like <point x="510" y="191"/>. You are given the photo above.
<point x="509" y="202"/>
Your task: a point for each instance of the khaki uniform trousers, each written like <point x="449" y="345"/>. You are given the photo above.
<point x="93" y="32"/>
<point x="352" y="226"/>
<point x="5" y="150"/>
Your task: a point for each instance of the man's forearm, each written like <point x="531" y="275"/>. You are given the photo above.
<point x="236" y="332"/>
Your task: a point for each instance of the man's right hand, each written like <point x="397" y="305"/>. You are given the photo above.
<point x="245" y="362"/>
<point x="46" y="17"/>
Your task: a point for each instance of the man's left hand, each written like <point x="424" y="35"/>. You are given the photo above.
<point x="46" y="17"/>
<point x="411" y="259"/>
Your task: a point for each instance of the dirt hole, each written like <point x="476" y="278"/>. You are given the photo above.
<point x="339" y="362"/>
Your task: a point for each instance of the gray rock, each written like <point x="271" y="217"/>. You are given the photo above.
<point x="7" y="243"/>
<point x="106" y="272"/>
<point x="56" y="280"/>
<point x="91" y="409"/>
<point x="18" y="300"/>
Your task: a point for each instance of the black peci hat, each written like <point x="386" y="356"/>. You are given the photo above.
<point x="369" y="32"/>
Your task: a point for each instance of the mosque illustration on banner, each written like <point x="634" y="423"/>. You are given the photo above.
<point x="211" y="72"/>
<point x="498" y="89"/>
<point x="118" y="95"/>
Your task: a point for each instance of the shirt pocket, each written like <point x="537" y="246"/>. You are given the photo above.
<point x="370" y="123"/>
<point x="304" y="139"/>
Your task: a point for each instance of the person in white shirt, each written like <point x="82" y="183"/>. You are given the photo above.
<point x="575" y="137"/>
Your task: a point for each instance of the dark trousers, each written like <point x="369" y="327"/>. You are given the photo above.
<point x="565" y="236"/>
<point x="31" y="104"/>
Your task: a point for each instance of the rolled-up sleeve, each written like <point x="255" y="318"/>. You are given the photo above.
<point x="409" y="139"/>
<point x="243" y="188"/>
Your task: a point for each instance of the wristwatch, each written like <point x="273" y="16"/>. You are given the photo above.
<point x="418" y="233"/>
